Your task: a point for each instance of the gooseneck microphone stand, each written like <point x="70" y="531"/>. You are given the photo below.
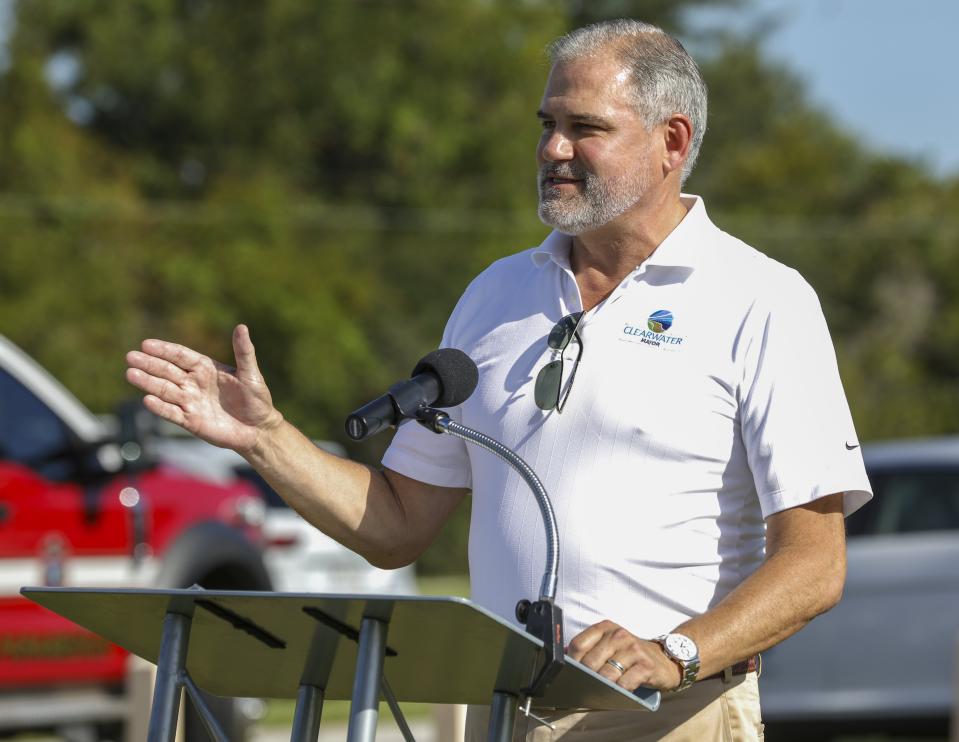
<point x="542" y="618"/>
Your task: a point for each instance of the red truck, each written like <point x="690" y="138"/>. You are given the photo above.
<point x="84" y="505"/>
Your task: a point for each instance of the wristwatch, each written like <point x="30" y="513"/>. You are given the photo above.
<point x="683" y="651"/>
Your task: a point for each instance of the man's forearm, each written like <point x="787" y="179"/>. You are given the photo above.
<point x="802" y="577"/>
<point x="772" y="604"/>
<point x="350" y="502"/>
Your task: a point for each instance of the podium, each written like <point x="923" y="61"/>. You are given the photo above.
<point x="330" y="647"/>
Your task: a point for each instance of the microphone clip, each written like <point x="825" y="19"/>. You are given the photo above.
<point x="409" y="396"/>
<point x="433" y="419"/>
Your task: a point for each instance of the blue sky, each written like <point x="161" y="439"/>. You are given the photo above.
<point x="886" y="69"/>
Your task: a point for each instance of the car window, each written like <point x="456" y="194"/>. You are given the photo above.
<point x="30" y="433"/>
<point x="909" y="502"/>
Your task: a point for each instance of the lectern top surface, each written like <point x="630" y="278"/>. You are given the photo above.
<point x="259" y="644"/>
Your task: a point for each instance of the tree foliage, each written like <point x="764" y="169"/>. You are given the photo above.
<point x="334" y="174"/>
<point x="875" y="236"/>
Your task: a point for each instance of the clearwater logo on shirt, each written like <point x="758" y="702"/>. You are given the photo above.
<point x="657" y="325"/>
<point x="660" y="320"/>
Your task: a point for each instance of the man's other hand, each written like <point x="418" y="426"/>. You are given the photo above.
<point x="645" y="662"/>
<point x="225" y="406"/>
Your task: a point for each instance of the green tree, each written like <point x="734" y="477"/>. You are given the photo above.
<point x="873" y="234"/>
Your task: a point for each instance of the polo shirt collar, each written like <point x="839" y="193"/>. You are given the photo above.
<point x="556" y="247"/>
<point x="683" y="247"/>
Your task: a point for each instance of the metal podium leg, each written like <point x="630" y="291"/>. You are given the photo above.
<point x="306" y="718"/>
<point x="502" y="717"/>
<point x="397" y="712"/>
<point x="171" y="664"/>
<point x="364" y="708"/>
<point x="207" y="718"/>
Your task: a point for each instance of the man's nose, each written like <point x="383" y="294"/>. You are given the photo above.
<point x="554" y="147"/>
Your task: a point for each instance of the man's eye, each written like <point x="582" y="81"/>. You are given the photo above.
<point x="547" y="124"/>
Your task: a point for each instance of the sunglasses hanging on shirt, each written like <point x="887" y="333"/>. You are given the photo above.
<point x="548" y="391"/>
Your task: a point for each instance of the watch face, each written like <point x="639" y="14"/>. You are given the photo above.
<point x="681" y="647"/>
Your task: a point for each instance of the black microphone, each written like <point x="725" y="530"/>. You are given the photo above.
<point x="443" y="378"/>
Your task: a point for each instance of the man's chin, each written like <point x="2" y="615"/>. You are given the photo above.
<point x="562" y="222"/>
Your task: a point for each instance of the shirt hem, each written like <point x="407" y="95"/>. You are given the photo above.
<point x="853" y="498"/>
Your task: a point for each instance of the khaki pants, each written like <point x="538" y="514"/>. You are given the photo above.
<point x="710" y="711"/>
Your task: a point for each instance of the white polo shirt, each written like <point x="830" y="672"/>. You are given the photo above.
<point x="707" y="399"/>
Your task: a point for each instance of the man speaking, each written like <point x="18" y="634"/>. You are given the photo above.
<point x="675" y="390"/>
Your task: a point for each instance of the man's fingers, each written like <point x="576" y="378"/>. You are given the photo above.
<point x="165" y="390"/>
<point x="633" y="661"/>
<point x="179" y="355"/>
<point x="246" y="366"/>
<point x="164" y="409"/>
<point x="156" y="367"/>
<point x="635" y="676"/>
<point x="616" y="643"/>
<point x="587" y="639"/>
<point x="582" y="644"/>
<point x="640" y="668"/>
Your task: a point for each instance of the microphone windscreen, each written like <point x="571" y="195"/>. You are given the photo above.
<point x="456" y="372"/>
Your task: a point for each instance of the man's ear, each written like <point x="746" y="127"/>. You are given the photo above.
<point x="677" y="136"/>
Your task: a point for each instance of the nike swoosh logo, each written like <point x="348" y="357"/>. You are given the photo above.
<point x="851" y="446"/>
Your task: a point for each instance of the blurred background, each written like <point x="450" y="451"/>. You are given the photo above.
<point x="333" y="174"/>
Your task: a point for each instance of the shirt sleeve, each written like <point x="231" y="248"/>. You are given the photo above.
<point x="421" y="454"/>
<point x="796" y="425"/>
<point x="428" y="457"/>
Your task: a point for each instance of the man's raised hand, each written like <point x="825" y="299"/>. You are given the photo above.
<point x="228" y="407"/>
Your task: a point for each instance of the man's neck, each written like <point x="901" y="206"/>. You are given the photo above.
<point x="601" y="259"/>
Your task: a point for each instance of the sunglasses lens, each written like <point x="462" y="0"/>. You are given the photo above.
<point x="559" y="336"/>
<point x="562" y="331"/>
<point x="548" y="381"/>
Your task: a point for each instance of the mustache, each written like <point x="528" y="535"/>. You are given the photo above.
<point x="563" y="170"/>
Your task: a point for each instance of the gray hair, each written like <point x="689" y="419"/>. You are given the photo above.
<point x="665" y="78"/>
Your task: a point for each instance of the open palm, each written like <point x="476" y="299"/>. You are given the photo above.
<point x="225" y="406"/>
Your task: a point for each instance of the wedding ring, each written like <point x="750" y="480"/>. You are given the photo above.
<point x="619" y="666"/>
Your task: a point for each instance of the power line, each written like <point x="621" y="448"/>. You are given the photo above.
<point x="344" y="216"/>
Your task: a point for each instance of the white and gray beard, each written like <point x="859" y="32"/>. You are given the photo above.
<point x="598" y="203"/>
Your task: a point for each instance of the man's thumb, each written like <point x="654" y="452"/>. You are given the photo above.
<point x="245" y="353"/>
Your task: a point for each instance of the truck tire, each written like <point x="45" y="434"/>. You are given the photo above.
<point x="217" y="557"/>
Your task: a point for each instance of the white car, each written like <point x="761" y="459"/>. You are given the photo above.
<point x="298" y="556"/>
<point x="884" y="659"/>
